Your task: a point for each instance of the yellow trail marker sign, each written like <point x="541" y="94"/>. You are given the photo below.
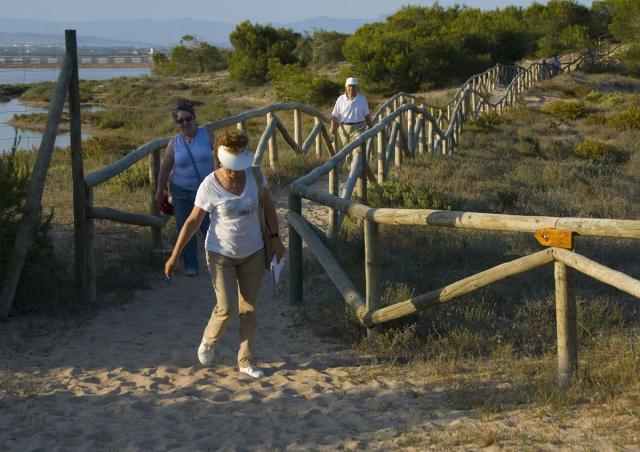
<point x="560" y="238"/>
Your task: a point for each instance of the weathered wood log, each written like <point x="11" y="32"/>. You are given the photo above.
<point x="33" y="203"/>
<point x="138" y="219"/>
<point x="265" y="140"/>
<point x="273" y="142"/>
<point x="342" y="205"/>
<point x="566" y="325"/>
<point x="311" y="138"/>
<point x="106" y="173"/>
<point x="372" y="270"/>
<point x="462" y="287"/>
<point x="334" y="187"/>
<point x="391" y="146"/>
<point x="598" y="271"/>
<point x="154" y="170"/>
<point x="297" y="127"/>
<point x="296" y="276"/>
<point x="327" y="141"/>
<point x="350" y="183"/>
<point x="77" y="173"/>
<point x="287" y="138"/>
<point x="91" y="251"/>
<point x="514" y="223"/>
<point x="329" y="264"/>
<point x="316" y="122"/>
<point x="381" y="157"/>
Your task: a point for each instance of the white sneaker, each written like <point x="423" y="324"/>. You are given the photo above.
<point x="252" y="371"/>
<point x="205" y="353"/>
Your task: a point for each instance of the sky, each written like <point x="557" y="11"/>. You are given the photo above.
<point x="232" y="11"/>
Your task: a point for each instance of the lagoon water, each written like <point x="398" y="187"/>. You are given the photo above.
<point x="30" y="139"/>
<point x="27" y="75"/>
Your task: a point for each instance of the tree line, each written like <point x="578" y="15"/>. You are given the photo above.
<point x="415" y="48"/>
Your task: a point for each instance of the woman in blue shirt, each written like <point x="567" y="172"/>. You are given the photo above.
<point x="188" y="159"/>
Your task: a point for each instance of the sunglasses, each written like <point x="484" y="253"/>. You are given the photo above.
<point x="184" y="120"/>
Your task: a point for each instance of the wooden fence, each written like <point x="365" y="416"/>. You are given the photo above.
<point x="67" y="83"/>
<point x="403" y="129"/>
<point x="435" y="130"/>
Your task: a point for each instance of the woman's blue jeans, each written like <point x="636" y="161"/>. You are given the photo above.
<point x="182" y="206"/>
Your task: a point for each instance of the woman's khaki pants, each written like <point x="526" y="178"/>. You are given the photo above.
<point x="237" y="284"/>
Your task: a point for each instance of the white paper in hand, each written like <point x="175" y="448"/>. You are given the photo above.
<point x="276" y="268"/>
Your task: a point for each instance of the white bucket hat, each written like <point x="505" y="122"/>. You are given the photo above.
<point x="351" y="81"/>
<point x="236" y="162"/>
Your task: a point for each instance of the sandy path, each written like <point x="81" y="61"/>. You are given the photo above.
<point x="128" y="379"/>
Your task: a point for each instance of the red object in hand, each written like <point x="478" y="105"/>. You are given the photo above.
<point x="166" y="207"/>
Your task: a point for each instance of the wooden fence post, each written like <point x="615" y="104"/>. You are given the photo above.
<point x="397" y="155"/>
<point x="91" y="251"/>
<point x="361" y="187"/>
<point x="77" y="173"/>
<point x="566" y="325"/>
<point x="430" y="138"/>
<point x="154" y="169"/>
<point x="372" y="269"/>
<point x="381" y="157"/>
<point x="334" y="189"/>
<point x="411" y="141"/>
<point x="297" y="127"/>
<point x="316" y="121"/>
<point x="422" y="135"/>
<point x="295" y="253"/>
<point x="273" y="145"/>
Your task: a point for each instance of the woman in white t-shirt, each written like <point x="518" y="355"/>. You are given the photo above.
<point x="234" y="245"/>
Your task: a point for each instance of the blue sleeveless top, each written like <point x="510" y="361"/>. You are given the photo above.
<point x="184" y="175"/>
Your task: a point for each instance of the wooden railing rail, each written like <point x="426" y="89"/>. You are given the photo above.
<point x="407" y="129"/>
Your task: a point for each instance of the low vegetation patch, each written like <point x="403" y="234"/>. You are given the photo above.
<point x="400" y="194"/>
<point x="597" y="151"/>
<point x="565" y="110"/>
<point x="626" y="120"/>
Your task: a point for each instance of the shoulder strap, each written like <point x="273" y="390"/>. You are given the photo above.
<point x="193" y="161"/>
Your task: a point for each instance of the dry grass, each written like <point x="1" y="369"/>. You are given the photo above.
<point x="496" y="347"/>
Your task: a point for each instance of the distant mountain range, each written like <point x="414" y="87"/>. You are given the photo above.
<point x="148" y="32"/>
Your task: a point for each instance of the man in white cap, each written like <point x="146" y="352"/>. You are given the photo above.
<point x="350" y="115"/>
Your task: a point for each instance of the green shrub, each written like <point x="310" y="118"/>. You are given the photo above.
<point x="613" y="99"/>
<point x="111" y="120"/>
<point x="100" y="146"/>
<point x="8" y="91"/>
<point x="14" y="180"/>
<point x="399" y="194"/>
<point x="136" y="176"/>
<point x="39" y="92"/>
<point x="43" y="92"/>
<point x="292" y="82"/>
<point x="596" y="119"/>
<point x="593" y="96"/>
<point x="565" y="110"/>
<point x="626" y="120"/>
<point x="487" y="122"/>
<point x="596" y="151"/>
